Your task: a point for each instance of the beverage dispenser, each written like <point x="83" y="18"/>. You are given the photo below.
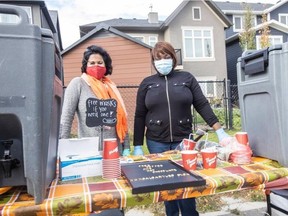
<point x="31" y="80"/>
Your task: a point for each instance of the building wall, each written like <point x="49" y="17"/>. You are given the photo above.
<point x="217" y="67"/>
<point x="234" y="52"/>
<point x="282" y="9"/>
<point x="275" y="32"/>
<point x="131" y="64"/>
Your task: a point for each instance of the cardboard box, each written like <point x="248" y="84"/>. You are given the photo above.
<point x="79" y="158"/>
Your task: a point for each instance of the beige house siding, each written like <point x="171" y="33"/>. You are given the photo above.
<point x="131" y="64"/>
<point x="209" y="19"/>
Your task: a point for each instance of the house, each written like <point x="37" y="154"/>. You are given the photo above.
<point x="277" y="21"/>
<point x="199" y="43"/>
<point x="38" y="14"/>
<point x="194" y="28"/>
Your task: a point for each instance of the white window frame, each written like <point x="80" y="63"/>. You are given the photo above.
<point x="271" y="39"/>
<point x="193" y="58"/>
<point x="242" y="22"/>
<point x="153" y="40"/>
<point x="193" y="13"/>
<point x="285" y="15"/>
<point x="29" y="12"/>
<point x="139" y="37"/>
<point x="12" y="18"/>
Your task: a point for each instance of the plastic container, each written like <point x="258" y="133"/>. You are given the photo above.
<point x="31" y="80"/>
<point x="262" y="86"/>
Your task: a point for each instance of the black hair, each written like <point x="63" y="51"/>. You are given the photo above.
<point x="97" y="50"/>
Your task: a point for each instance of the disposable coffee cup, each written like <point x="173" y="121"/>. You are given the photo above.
<point x="188" y="144"/>
<point x="110" y="149"/>
<point x="209" y="158"/>
<point x="189" y="159"/>
<point x="242" y="137"/>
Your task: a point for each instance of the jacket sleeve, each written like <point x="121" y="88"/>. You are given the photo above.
<point x="202" y="105"/>
<point x="140" y="115"/>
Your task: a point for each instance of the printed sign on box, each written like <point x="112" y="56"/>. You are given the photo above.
<point x="78" y="167"/>
<point x="79" y="158"/>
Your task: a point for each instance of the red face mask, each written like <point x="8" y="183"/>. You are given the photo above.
<point x="96" y="71"/>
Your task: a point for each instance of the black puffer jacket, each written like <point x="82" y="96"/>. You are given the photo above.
<point x="164" y="106"/>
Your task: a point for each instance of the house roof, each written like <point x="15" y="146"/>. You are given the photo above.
<point x="144" y="24"/>
<point x="238" y="7"/>
<point x="100" y="27"/>
<point x="209" y="3"/>
<point x="120" y="23"/>
<point x="54" y="17"/>
<point x="271" y="23"/>
<point x="278" y="4"/>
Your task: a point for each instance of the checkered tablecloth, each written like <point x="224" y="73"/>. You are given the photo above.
<point x="82" y="196"/>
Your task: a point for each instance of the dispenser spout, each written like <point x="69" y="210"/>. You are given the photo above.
<point x="6" y="165"/>
<point x="7" y="148"/>
<point x="6" y="162"/>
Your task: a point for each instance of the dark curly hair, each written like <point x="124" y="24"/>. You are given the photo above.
<point x="97" y="50"/>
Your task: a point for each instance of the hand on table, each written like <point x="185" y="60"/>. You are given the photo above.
<point x="223" y="137"/>
<point x="126" y="152"/>
<point x="138" y="150"/>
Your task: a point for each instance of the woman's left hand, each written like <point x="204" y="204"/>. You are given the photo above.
<point x="126" y="152"/>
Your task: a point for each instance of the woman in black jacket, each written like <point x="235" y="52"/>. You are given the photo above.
<point x="163" y="109"/>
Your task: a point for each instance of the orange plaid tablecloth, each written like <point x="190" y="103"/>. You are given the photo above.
<point x="82" y="196"/>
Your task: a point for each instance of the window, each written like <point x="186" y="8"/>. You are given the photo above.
<point x="273" y="40"/>
<point x="11" y="18"/>
<point x="283" y="18"/>
<point x="141" y="38"/>
<point x="153" y="40"/>
<point x="196" y="13"/>
<point x="198" y="43"/>
<point x="238" y="22"/>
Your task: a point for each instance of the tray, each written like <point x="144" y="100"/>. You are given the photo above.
<point x="152" y="176"/>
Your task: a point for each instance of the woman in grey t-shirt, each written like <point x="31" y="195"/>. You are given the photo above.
<point x="96" y="101"/>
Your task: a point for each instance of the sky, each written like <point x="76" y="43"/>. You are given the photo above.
<point x="73" y="13"/>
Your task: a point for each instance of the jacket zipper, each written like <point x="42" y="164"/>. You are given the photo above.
<point x="169" y="110"/>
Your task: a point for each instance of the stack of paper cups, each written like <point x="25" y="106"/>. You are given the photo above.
<point x="242" y="137"/>
<point x="111" y="159"/>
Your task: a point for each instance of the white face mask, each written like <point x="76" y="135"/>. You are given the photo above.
<point x="164" y="66"/>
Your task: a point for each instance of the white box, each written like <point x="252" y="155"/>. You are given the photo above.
<point x="79" y="158"/>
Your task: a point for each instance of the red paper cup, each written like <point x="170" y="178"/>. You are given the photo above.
<point x="188" y="144"/>
<point x="241" y="157"/>
<point x="189" y="158"/>
<point x="110" y="149"/>
<point x="242" y="137"/>
<point x="209" y="158"/>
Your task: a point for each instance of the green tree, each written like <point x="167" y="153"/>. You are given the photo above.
<point x="264" y="33"/>
<point x="247" y="36"/>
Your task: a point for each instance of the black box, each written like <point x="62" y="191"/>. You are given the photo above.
<point x="152" y="176"/>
